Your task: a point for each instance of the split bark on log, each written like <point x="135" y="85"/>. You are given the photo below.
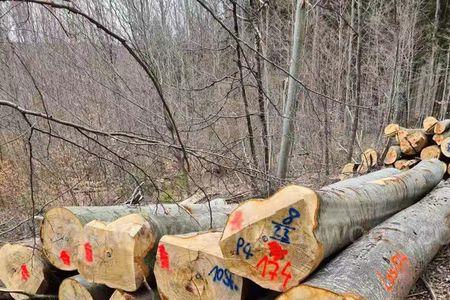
<point x="62" y="226"/>
<point x="413" y="142"/>
<point x="119" y="254"/>
<point x="445" y="147"/>
<point x="23" y="268"/>
<point x="442" y="126"/>
<point x="279" y="241"/>
<point x="406" y="164"/>
<point x="386" y="262"/>
<point x="429" y="123"/>
<point x="430" y="152"/>
<point x="78" y="288"/>
<point x="191" y="266"/>
<point x="394" y="153"/>
<point x="142" y="294"/>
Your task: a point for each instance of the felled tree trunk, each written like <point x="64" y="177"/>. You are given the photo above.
<point x="23" y="268"/>
<point x="357" y="181"/>
<point x="191" y="266"/>
<point x="121" y="254"/>
<point x="279" y="241"/>
<point x="142" y="294"/>
<point x="386" y="262"/>
<point x="62" y="226"/>
<point x="78" y="288"/>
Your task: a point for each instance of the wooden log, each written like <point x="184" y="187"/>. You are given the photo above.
<point x="357" y="181"/>
<point x="386" y="262"/>
<point x="369" y="159"/>
<point x="429" y="123"/>
<point x="191" y="266"/>
<point x="391" y="130"/>
<point x="23" y="268"/>
<point x="430" y="152"/>
<point x="348" y="171"/>
<point x="142" y="294"/>
<point x="445" y="147"/>
<point x="442" y="126"/>
<point x="406" y="164"/>
<point x="118" y="254"/>
<point x="277" y="242"/>
<point x="62" y="226"/>
<point x="438" y="138"/>
<point x="78" y="288"/>
<point x="393" y="154"/>
<point x="413" y="142"/>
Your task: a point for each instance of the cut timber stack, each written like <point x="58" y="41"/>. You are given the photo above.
<point x="280" y="241"/>
<point x="368" y="160"/>
<point x="191" y="266"/>
<point x="385" y="263"/>
<point x="409" y="146"/>
<point x="121" y="254"/>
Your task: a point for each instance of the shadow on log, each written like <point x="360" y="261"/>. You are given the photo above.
<point x="386" y="262"/>
<point x="78" y="288"/>
<point x="280" y="241"/>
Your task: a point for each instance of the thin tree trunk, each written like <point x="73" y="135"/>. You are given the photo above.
<point x="292" y="100"/>
<point x="347" y="116"/>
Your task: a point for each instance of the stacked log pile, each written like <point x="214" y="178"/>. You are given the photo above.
<point x="217" y="250"/>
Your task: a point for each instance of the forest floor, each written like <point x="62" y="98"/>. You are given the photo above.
<point x="437" y="278"/>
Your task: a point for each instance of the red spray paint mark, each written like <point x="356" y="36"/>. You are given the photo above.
<point x="24" y="271"/>
<point x="276" y="251"/>
<point x="163" y="257"/>
<point x="399" y="263"/>
<point x="88" y="252"/>
<point x="287" y="276"/>
<point x="236" y="222"/>
<point x="65" y="257"/>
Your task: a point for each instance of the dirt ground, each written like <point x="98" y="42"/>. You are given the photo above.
<point x="437" y="277"/>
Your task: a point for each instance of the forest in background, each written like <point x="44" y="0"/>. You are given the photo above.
<point x="98" y="97"/>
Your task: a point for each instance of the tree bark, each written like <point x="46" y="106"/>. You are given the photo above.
<point x="191" y="266"/>
<point x="121" y="254"/>
<point x="286" y="236"/>
<point x="78" y="288"/>
<point x="386" y="262"/>
<point x="290" y="110"/>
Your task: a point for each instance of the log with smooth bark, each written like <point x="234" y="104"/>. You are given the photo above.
<point x="429" y="123"/>
<point x="406" y="164"/>
<point x="279" y="241"/>
<point x="430" y="152"/>
<point x="62" y="226"/>
<point x="385" y="263"/>
<point x="121" y="254"/>
<point x="393" y="154"/>
<point x="442" y="126"/>
<point x="78" y="288"/>
<point x="24" y="268"/>
<point x="144" y="293"/>
<point x="191" y="266"/>
<point x="357" y="181"/>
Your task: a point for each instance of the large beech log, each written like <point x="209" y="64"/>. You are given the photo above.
<point x="357" y="181"/>
<point x="393" y="154"/>
<point x="430" y="152"/>
<point x="119" y="254"/>
<point x="62" y="226"/>
<point x="23" y="268"/>
<point x="191" y="266"/>
<point x="442" y="126"/>
<point x="429" y="123"/>
<point x="144" y="293"/>
<point x="386" y="262"/>
<point x="78" y="288"/>
<point x="279" y="241"/>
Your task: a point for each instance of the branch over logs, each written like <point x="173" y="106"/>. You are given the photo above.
<point x="191" y="266"/>
<point x="385" y="263"/>
<point x="279" y="241"/>
<point x="119" y="254"/>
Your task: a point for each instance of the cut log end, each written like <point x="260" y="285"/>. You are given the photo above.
<point x="142" y="294"/>
<point x="391" y="130"/>
<point x="191" y="266"/>
<point x="60" y="233"/>
<point x="261" y="236"/>
<point x="430" y="152"/>
<point x="304" y="292"/>
<point x="113" y="254"/>
<point x="77" y="288"/>
<point x="413" y="142"/>
<point x="445" y="147"/>
<point x="442" y="126"/>
<point x="393" y="154"/>
<point x="429" y="124"/>
<point x="405" y="164"/>
<point x="23" y="268"/>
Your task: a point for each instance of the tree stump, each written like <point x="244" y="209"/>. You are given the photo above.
<point x="279" y="241"/>
<point x="386" y="262"/>
<point x="191" y="266"/>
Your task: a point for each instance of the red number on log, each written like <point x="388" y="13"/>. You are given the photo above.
<point x="398" y="263"/>
<point x="287" y="276"/>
